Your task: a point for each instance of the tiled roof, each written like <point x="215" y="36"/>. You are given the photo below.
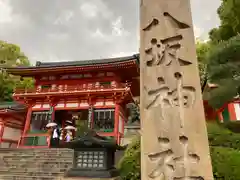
<point x="48" y="67"/>
<point x="88" y="62"/>
<point x="12" y="106"/>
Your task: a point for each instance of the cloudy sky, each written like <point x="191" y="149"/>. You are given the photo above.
<point x="57" y="30"/>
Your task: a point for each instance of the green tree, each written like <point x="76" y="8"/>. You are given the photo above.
<point x="11" y="56"/>
<point x="6" y="88"/>
<point x="129" y="165"/>
<point x="224" y="70"/>
<point x="229" y="14"/>
<point x="202" y="49"/>
<point x="134" y="113"/>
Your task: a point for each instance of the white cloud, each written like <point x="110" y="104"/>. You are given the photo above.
<point x="85" y="29"/>
<point x="58" y="36"/>
<point x="64" y="17"/>
<point x="118" y="31"/>
<point x="122" y="54"/>
<point x="53" y="58"/>
<point x="117" y="27"/>
<point x="94" y="8"/>
<point x="89" y="10"/>
<point x="208" y="17"/>
<point x="197" y="31"/>
<point x="98" y="34"/>
<point x="5" y="12"/>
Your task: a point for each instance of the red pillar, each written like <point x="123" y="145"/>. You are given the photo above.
<point x="52" y="104"/>
<point x="116" y="123"/>
<point x="53" y="113"/>
<point x="220" y="117"/>
<point x="1" y="130"/>
<point x="27" y="123"/>
<point x="123" y="123"/>
<point x="232" y="112"/>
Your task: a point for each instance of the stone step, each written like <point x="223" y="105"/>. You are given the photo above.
<point x="25" y="177"/>
<point x="34" y="149"/>
<point x="40" y="166"/>
<point x="15" y="164"/>
<point x="34" y="173"/>
<point x="38" y="157"/>
<point x="54" y="169"/>
<point x="39" y="154"/>
<point x="37" y="164"/>
<point x="47" y="168"/>
<point x="22" y="159"/>
<point x="34" y="164"/>
<point x="42" y="159"/>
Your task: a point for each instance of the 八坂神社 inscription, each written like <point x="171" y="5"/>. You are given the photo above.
<point x="172" y="116"/>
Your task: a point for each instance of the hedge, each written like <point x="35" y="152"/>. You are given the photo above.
<point x="233" y="126"/>
<point x="223" y="137"/>
<point x="225" y="162"/>
<point x="224" y="153"/>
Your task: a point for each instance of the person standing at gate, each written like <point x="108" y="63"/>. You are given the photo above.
<point x="55" y="138"/>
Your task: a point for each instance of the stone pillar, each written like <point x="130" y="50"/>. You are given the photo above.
<point x="174" y="141"/>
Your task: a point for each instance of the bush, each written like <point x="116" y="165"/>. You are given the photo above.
<point x="225" y="162"/>
<point x="224" y="153"/>
<point x="129" y="165"/>
<point x="220" y="136"/>
<point x="233" y="126"/>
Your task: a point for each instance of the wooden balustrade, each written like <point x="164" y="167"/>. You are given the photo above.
<point x="68" y="88"/>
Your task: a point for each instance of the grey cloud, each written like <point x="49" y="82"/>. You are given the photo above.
<point x="64" y="30"/>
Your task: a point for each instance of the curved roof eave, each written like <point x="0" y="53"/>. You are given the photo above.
<point x="70" y="64"/>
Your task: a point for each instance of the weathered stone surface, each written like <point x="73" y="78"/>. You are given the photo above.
<point x="174" y="138"/>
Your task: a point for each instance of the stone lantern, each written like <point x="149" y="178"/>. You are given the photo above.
<point x="94" y="157"/>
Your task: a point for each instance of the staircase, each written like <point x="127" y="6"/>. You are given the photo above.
<point x="34" y="164"/>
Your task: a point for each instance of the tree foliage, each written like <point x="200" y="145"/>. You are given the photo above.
<point x="224" y="70"/>
<point x="202" y="49"/>
<point x="11" y="56"/>
<point x="6" y="88"/>
<point x="134" y="115"/>
<point x="129" y="165"/>
<point x="229" y="14"/>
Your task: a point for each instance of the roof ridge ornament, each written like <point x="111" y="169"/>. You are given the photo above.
<point x="38" y="63"/>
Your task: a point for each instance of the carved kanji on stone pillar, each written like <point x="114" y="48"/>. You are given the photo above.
<point x="174" y="138"/>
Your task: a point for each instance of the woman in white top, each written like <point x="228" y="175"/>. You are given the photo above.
<point x="54" y="142"/>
